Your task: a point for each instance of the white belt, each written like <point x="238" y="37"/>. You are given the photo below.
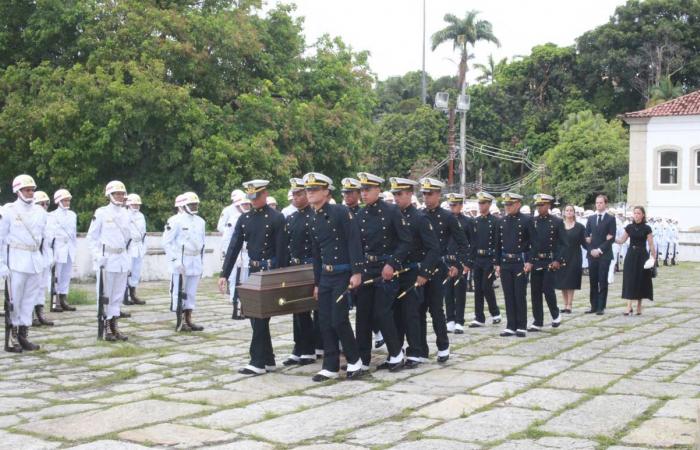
<point x="28" y="248"/>
<point x="64" y="240"/>
<point x="192" y="253"/>
<point x="114" y="251"/>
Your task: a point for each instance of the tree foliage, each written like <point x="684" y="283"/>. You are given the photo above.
<point x="170" y="96"/>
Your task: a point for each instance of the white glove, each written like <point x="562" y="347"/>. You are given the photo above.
<point x="4" y="271"/>
<point x="649" y="263"/>
<point x="180" y="268"/>
<point x="100" y="261"/>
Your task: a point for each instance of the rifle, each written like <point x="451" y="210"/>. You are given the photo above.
<point x="54" y="295"/>
<point x="7" y="308"/>
<point x="181" y="296"/>
<point x="101" y="301"/>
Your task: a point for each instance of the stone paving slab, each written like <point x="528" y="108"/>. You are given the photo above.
<point x="663" y="432"/>
<point x="97" y="423"/>
<point x="603" y="415"/>
<point x="178" y="436"/>
<point x="363" y="409"/>
<point x="488" y="425"/>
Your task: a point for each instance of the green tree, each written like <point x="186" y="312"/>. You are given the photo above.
<point x="404" y="139"/>
<point x="590" y="156"/>
<point x="665" y="91"/>
<point x="643" y="42"/>
<point x="490" y="69"/>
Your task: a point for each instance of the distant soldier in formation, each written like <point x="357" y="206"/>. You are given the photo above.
<point x="109" y="239"/>
<point x="514" y="266"/>
<point x="240" y="204"/>
<point x="183" y="243"/>
<point x="23" y="239"/>
<point x="456" y="292"/>
<point x="42" y="199"/>
<point x="137" y="248"/>
<point x="544" y="234"/>
<point x="484" y="235"/>
<point x="63" y="225"/>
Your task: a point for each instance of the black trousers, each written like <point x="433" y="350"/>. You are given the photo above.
<point x="407" y="315"/>
<point x="515" y="293"/>
<point x="484" y="276"/>
<point x="318" y="339"/>
<point x="433" y="292"/>
<point x="455" y="299"/>
<point x="598" y="276"/>
<point x="303" y="326"/>
<point x="261" y="352"/>
<point x="334" y="321"/>
<point x="375" y="303"/>
<point x="542" y="284"/>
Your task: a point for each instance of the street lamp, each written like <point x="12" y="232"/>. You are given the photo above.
<point x="442" y="100"/>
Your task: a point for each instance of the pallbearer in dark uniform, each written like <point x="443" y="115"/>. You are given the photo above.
<point x="351" y="194"/>
<point x="298" y="228"/>
<point x="446" y="226"/>
<point x="262" y="229"/>
<point x="513" y="254"/>
<point x="484" y="233"/>
<point x="386" y="241"/>
<point x="544" y="236"/>
<point x="422" y="259"/>
<point x="456" y="291"/>
<point x="337" y="253"/>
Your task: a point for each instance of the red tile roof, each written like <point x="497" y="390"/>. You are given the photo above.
<point x="686" y="105"/>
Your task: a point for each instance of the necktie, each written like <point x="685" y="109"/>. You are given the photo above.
<point x="600" y="218"/>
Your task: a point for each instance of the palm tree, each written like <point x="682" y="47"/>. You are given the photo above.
<point x="665" y="91"/>
<point x="461" y="32"/>
<point x="490" y="69"/>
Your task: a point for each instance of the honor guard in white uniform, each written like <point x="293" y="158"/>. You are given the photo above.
<point x="42" y="200"/>
<point x="232" y="210"/>
<point x="239" y="274"/>
<point x="616" y="248"/>
<point x="183" y="242"/>
<point x="137" y="249"/>
<point x="22" y="241"/>
<point x="63" y="225"/>
<point x="109" y="239"/>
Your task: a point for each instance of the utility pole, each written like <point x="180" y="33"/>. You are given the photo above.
<point x="463" y="144"/>
<point x="424" y="89"/>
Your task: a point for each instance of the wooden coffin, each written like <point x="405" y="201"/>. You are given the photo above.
<point x="278" y="292"/>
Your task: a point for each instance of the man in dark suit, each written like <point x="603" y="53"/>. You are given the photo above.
<point x="600" y="235"/>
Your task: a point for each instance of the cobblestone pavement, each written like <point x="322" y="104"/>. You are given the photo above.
<point x="596" y="382"/>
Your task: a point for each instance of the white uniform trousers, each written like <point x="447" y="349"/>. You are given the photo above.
<point x="64" y="271"/>
<point x="135" y="275"/>
<point x="115" y="285"/>
<point x="613" y="263"/>
<point x="191" y="284"/>
<point x="25" y="287"/>
<point x="44" y="288"/>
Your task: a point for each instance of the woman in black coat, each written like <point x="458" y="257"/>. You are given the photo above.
<point x="636" y="279"/>
<point x="572" y="237"/>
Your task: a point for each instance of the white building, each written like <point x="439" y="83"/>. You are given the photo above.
<point x="664" y="166"/>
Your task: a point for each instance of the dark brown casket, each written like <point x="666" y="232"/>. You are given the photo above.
<point x="278" y="292"/>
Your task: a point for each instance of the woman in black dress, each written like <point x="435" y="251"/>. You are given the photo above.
<point x="636" y="280"/>
<point x="572" y="237"/>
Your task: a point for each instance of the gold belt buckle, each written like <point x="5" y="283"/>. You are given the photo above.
<point x="328" y="268"/>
